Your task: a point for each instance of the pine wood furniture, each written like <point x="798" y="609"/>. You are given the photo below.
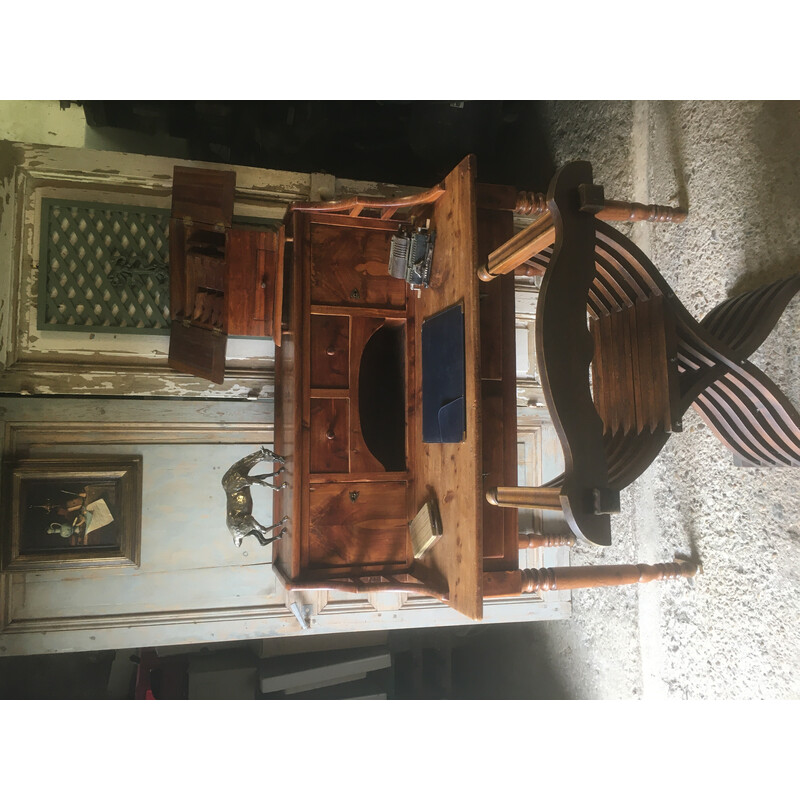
<point x="348" y="400"/>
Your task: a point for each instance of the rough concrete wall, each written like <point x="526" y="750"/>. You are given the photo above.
<point x="735" y="632"/>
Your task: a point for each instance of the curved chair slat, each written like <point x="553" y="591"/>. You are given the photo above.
<point x="745" y="321"/>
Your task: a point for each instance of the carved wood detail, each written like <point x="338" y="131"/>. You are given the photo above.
<point x="559" y="578"/>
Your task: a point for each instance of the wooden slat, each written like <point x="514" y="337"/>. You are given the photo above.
<point x="493" y="467"/>
<point x="357" y="477"/>
<point x="614" y="347"/>
<point x="289" y="440"/>
<point x="277" y="303"/>
<point x="646" y="364"/>
<point x="519" y="248"/>
<point x="660" y="410"/>
<point x="598" y="384"/>
<point x="639" y="378"/>
<point x="672" y="415"/>
<point x="330" y="394"/>
<point x="179" y="305"/>
<point x="358" y="311"/>
<point x="203" y="195"/>
<point x="607" y="379"/>
<point x="628" y="405"/>
<point x="197" y="351"/>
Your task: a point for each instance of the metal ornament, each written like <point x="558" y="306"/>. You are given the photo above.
<point x="236" y="482"/>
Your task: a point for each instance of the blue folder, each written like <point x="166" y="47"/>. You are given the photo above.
<point x="443" y="384"/>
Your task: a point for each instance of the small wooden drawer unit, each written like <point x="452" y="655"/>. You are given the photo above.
<point x="330" y="352"/>
<point x="342" y="410"/>
<point x="329" y="449"/>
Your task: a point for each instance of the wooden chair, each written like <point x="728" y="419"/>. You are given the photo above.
<point x="649" y="359"/>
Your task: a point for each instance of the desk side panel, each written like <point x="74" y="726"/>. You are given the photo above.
<point x="287" y="418"/>
<point x="499" y="397"/>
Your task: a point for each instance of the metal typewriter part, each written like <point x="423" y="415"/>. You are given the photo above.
<point x="411" y="255"/>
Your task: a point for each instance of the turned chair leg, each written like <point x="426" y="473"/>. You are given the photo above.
<point x="555" y="578"/>
<point x="516" y="582"/>
<point x="531" y="540"/>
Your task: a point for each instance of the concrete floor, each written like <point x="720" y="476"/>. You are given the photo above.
<point x="734" y="632"/>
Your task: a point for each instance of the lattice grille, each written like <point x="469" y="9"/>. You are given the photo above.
<point x="104" y="266"/>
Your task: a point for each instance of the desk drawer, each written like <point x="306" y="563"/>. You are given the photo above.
<point x="330" y="352"/>
<point x="329" y="435"/>
<point x="350" y="267"/>
<point x="358" y="524"/>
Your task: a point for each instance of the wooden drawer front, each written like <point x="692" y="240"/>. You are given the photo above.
<point x="349" y="266"/>
<point x="358" y="524"/>
<point x="330" y="347"/>
<point x="329" y="439"/>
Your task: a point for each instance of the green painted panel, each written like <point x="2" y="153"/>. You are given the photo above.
<point x="103" y="266"/>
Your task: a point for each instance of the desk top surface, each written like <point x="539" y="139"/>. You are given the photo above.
<point x="452" y="472"/>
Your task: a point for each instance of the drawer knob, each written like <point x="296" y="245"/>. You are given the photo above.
<point x="331" y="351"/>
<point x="330" y="434"/>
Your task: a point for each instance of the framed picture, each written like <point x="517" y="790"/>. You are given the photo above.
<point x="77" y="512"/>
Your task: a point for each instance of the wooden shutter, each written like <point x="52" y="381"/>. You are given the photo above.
<point x="202" y="210"/>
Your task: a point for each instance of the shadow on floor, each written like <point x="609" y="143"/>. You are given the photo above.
<point x="506" y="662"/>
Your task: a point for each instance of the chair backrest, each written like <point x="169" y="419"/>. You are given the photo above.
<point x="612" y="427"/>
<point x="650" y="360"/>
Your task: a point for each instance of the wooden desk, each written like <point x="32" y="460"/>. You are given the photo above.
<point x="348" y="509"/>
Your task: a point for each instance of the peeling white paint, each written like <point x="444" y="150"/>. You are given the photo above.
<point x="122" y="177"/>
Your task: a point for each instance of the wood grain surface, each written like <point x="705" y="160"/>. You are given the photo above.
<point x="452" y="472"/>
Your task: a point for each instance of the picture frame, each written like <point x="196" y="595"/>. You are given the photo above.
<point x="72" y="513"/>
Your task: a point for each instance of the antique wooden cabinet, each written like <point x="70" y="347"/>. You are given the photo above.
<point x="349" y="405"/>
<point x="342" y="401"/>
